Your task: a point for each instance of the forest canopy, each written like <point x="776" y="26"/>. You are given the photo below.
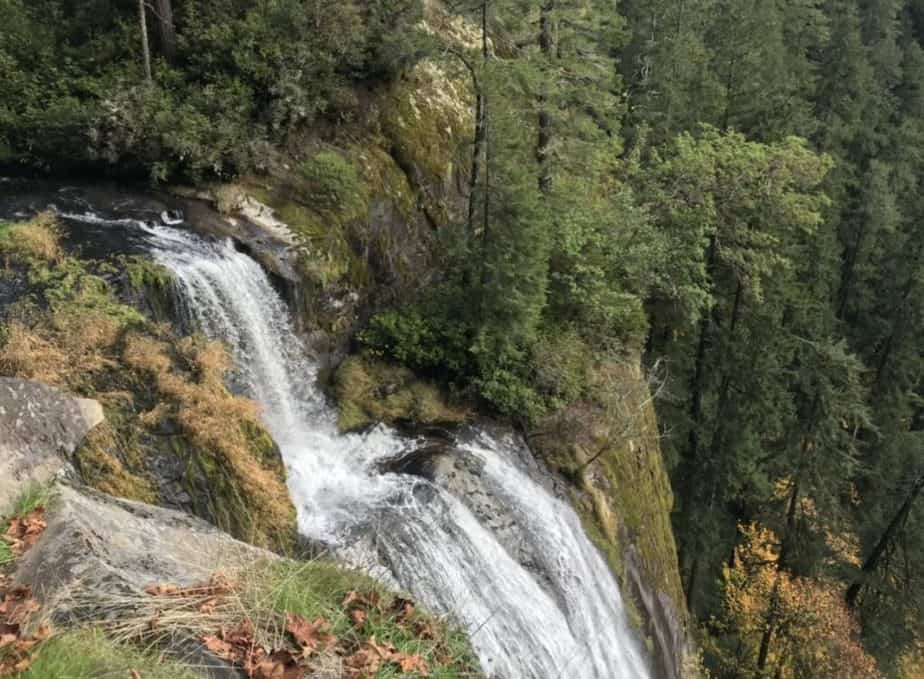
<point x="733" y="188"/>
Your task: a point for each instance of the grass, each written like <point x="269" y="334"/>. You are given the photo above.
<point x="6" y="555"/>
<point x="34" y="496"/>
<point x="36" y="240"/>
<point x="264" y="594"/>
<point x="91" y="655"/>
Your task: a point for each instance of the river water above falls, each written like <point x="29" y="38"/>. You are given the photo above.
<point x="568" y="622"/>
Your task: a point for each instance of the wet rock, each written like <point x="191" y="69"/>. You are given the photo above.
<point x="39" y="427"/>
<point x="460" y="473"/>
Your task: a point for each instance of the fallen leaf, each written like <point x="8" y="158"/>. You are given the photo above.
<point x="402" y="608"/>
<point x="220" y="648"/>
<point x="25" y="531"/>
<point x="279" y="664"/>
<point x="308" y="635"/>
<point x="411" y="663"/>
<point x="162" y="590"/>
<point x="134" y="674"/>
<point x="358" y="617"/>
<point x="362" y="664"/>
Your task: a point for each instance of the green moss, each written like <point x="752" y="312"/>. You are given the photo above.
<point x="145" y="275"/>
<point x="231" y="504"/>
<point x="100" y="466"/>
<point x="427" y="119"/>
<point x="331" y="182"/>
<point x="91" y="655"/>
<point x="370" y="391"/>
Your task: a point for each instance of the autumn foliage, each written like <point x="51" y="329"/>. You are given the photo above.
<point x="813" y="634"/>
<point x="17" y="607"/>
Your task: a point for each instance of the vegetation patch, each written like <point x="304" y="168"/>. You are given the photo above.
<point x="90" y="654"/>
<point x="300" y="619"/>
<point x="369" y="390"/>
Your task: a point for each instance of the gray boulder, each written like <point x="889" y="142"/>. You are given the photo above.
<point x="111" y="545"/>
<point x="39" y="427"/>
<point x="97" y="547"/>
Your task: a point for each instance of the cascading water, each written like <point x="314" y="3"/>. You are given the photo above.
<point x="428" y="541"/>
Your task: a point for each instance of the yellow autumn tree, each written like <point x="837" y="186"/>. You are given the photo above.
<point x="813" y="634"/>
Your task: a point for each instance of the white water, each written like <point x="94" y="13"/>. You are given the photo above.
<point x="428" y="540"/>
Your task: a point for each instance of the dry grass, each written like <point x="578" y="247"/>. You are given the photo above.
<point x="73" y="332"/>
<point x="38" y="239"/>
<point x="190" y="378"/>
<point x="29" y="355"/>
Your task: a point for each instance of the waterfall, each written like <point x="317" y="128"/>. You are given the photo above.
<point x="573" y="626"/>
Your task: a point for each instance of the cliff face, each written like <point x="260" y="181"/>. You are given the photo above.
<point x="339" y="260"/>
<point x="608" y="446"/>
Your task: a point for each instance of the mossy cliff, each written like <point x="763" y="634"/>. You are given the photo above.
<point x="173" y="433"/>
<point x="357" y="207"/>
<point x="608" y="445"/>
<point x="369" y="390"/>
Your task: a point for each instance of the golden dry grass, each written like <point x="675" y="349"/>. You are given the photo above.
<point x="218" y="425"/>
<point x="38" y="239"/>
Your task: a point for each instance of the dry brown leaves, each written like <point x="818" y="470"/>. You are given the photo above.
<point x="307" y="639"/>
<point x="25" y="531"/>
<point x="16" y="608"/>
<point x="366" y="662"/>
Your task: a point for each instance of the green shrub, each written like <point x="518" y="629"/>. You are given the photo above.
<point x="331" y="181"/>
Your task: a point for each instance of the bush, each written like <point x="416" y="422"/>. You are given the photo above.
<point x="331" y="181"/>
<point x="422" y="342"/>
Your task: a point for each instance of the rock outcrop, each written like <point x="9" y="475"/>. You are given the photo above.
<point x="97" y="547"/>
<point x="39" y="427"/>
<point x="106" y="544"/>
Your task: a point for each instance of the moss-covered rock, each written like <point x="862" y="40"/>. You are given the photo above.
<point x="608" y="445"/>
<point x="369" y="391"/>
<point x="427" y="118"/>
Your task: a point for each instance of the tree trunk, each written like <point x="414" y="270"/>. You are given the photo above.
<point x="696" y="407"/>
<point x="145" y="47"/>
<point x="872" y="562"/>
<point x="544" y="145"/>
<point x="166" y="28"/>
